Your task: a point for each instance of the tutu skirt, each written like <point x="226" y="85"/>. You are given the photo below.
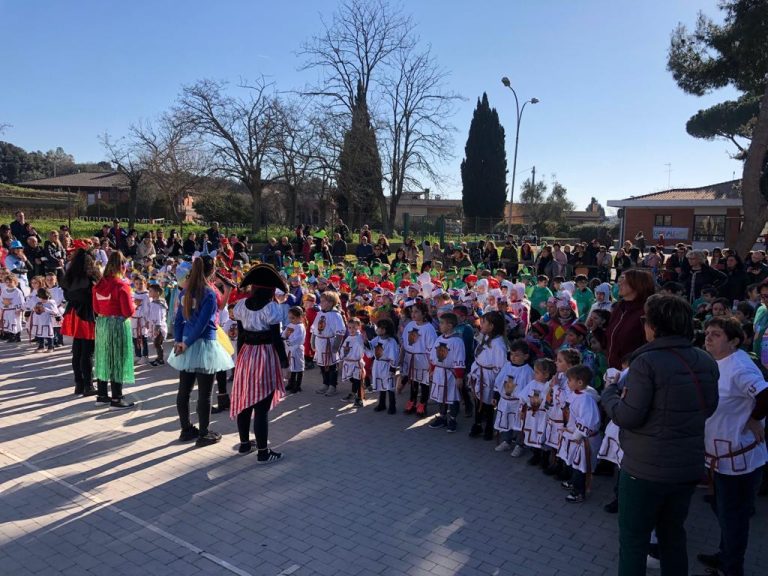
<point x="113" y="354"/>
<point x="203" y="357"/>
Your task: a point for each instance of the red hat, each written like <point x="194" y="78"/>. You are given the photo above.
<point x="579" y="328"/>
<point x="471" y="278"/>
<point x="493" y="283"/>
<point x="335" y="278"/>
<point x="387" y="285"/>
<point x="405" y="283"/>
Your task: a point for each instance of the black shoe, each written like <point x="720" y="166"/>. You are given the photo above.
<point x="358" y="403"/>
<point x="552" y="469"/>
<point x="574" y="498"/>
<point x="535" y="459"/>
<point x="268" y="457"/>
<point x="438" y="422"/>
<point x="89" y="392"/>
<point x="612" y="507"/>
<point x="207" y="439"/>
<point x="392" y="409"/>
<point x="154" y="363"/>
<point x="189" y="434"/>
<point x="709" y="560"/>
<point x="567" y="485"/>
<point x="120" y="404"/>
<point x="469" y="412"/>
<point x="245" y="447"/>
<point x="223" y="404"/>
<point x="564" y="473"/>
<point x="476" y="431"/>
<point x="349" y="397"/>
<point x="451" y="427"/>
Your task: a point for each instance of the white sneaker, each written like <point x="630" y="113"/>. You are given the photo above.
<point x="652" y="563"/>
<point x="331" y="391"/>
<point x="503" y="447"/>
<point x="517" y="451"/>
<point x="322" y="390"/>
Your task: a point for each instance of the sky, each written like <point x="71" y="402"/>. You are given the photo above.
<point x="610" y="122"/>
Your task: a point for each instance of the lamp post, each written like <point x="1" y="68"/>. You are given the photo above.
<point x="519" y="116"/>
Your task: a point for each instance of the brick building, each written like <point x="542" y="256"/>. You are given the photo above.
<point x="704" y="217"/>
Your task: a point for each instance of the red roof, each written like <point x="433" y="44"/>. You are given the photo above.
<point x="730" y="190"/>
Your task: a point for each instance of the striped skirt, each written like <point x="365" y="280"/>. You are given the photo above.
<point x="257" y="374"/>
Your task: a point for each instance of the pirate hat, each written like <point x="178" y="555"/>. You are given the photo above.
<point x="264" y="276"/>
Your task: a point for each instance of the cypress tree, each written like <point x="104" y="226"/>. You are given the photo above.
<point x="360" y="192"/>
<point x="484" y="168"/>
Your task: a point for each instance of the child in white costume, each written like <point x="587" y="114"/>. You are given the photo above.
<point x="510" y="383"/>
<point x="294" y="334"/>
<point x="581" y="435"/>
<point x="448" y="359"/>
<point x="490" y="358"/>
<point x="328" y="331"/>
<point x="610" y="448"/>
<point x="418" y="338"/>
<point x="12" y="305"/>
<point x="557" y="404"/>
<point x="140" y="320"/>
<point x="45" y="315"/>
<point x="352" y="363"/>
<point x="57" y="299"/>
<point x="532" y="413"/>
<point x="157" y="320"/>
<point x="386" y="354"/>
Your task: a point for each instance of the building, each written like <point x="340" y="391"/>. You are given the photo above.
<point x="108" y="187"/>
<point x="704" y="217"/>
<point x="518" y="213"/>
<point x="426" y="206"/>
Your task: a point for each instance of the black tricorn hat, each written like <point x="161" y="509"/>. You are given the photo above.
<point x="264" y="276"/>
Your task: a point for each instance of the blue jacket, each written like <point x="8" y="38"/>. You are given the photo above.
<point x="202" y="323"/>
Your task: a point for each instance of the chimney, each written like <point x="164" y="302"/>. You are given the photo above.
<point x="426" y="193"/>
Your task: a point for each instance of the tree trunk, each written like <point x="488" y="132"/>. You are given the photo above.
<point x="293" y="201"/>
<point x="754" y="204"/>
<point x="133" y="201"/>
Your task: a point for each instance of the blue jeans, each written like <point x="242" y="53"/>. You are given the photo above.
<point x="733" y="503"/>
<point x="643" y="506"/>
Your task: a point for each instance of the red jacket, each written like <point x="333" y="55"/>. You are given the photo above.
<point x="625" y="332"/>
<point x="112" y="297"/>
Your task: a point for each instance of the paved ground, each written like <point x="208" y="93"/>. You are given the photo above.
<point x="88" y="491"/>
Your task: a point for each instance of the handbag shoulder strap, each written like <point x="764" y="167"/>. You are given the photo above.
<point x="694" y="377"/>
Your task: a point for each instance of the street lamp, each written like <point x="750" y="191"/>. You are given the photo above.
<point x="518" y="118"/>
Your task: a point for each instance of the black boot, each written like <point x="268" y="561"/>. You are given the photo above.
<point x="223" y="404"/>
<point x="382" y="405"/>
<point x="392" y="409"/>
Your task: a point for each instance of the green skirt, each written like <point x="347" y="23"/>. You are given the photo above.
<point x="113" y="357"/>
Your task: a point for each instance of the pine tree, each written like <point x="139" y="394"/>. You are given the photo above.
<point x="484" y="168"/>
<point x="360" y="192"/>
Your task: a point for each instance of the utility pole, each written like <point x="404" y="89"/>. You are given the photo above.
<point x="533" y="178"/>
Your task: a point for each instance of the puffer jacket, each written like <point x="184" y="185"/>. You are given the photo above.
<point x="663" y="412"/>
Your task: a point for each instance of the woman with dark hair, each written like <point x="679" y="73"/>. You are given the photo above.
<point x="190" y="244"/>
<point x="625" y="329"/>
<point x="509" y="258"/>
<point x="79" y="321"/>
<point x="734" y="442"/>
<point x="258" y="384"/>
<point x="545" y="262"/>
<point x="735" y="287"/>
<point x="197" y="354"/>
<point x="661" y="410"/>
<point x="113" y="354"/>
<point x="527" y="256"/>
<point x="384" y="243"/>
<point x="400" y="257"/>
<point x="54" y="255"/>
<point x="491" y="255"/>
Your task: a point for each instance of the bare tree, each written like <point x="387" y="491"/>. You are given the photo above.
<point x="297" y="150"/>
<point x="352" y="46"/>
<point x="241" y="132"/>
<point x="3" y="127"/>
<point x="176" y="160"/>
<point x="125" y="155"/>
<point x="417" y="133"/>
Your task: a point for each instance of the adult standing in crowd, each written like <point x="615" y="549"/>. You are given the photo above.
<point x="54" y="255"/>
<point x="625" y="332"/>
<point x="35" y="255"/>
<point x="197" y="354"/>
<point x="411" y="250"/>
<point x="735" y="442"/>
<point x="735" y="287"/>
<point x="79" y="322"/>
<point x="545" y="263"/>
<point x="119" y="235"/>
<point x="364" y="250"/>
<point x="668" y="394"/>
<point x="214" y="236"/>
<point x="19" y="228"/>
<point x="698" y="275"/>
<point x="342" y="229"/>
<point x="113" y="345"/>
<point x="190" y="244"/>
<point x="258" y="384"/>
<point x="145" y="249"/>
<point x="527" y="257"/>
<point x="339" y="248"/>
<point x="509" y="258"/>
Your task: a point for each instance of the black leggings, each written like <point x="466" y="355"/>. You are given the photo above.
<point x="260" y="410"/>
<point x="82" y="362"/>
<point x="221" y="382"/>
<point x="204" y="388"/>
<point x="417" y="387"/>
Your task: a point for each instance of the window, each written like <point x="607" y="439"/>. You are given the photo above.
<point x="709" y="229"/>
<point x="663" y="220"/>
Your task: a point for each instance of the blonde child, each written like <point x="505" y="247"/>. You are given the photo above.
<point x="418" y="337"/>
<point x="533" y="416"/>
<point x="447" y="358"/>
<point x="157" y="318"/>
<point x="386" y="354"/>
<point x="558" y="396"/>
<point x="57" y="298"/>
<point x="12" y="300"/>
<point x="328" y="331"/>
<point x="294" y="334"/>
<point x="140" y="320"/>
<point x="514" y="376"/>
<point x="490" y="358"/>
<point x="352" y="363"/>
<point x="581" y="435"/>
